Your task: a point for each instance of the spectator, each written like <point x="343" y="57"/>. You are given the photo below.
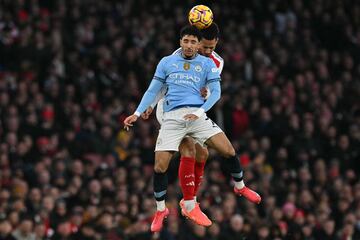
<point x="235" y="230"/>
<point x="5" y="229"/>
<point x="25" y="229"/>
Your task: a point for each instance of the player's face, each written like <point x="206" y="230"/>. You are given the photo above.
<point x="189" y="45"/>
<point x="207" y="46"/>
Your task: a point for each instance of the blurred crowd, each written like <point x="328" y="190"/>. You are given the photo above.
<point x="72" y="70"/>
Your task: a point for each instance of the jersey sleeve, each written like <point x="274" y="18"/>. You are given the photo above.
<point x="160" y="73"/>
<point x="217" y="58"/>
<point x="221" y="67"/>
<point x="212" y="73"/>
<point x="149" y="96"/>
<point x="214" y="97"/>
<point x="159" y="96"/>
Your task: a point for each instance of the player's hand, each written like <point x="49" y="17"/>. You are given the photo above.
<point x="128" y="122"/>
<point x="191" y="117"/>
<point x="145" y="115"/>
<point x="204" y="92"/>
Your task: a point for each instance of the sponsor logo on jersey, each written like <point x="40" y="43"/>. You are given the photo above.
<point x="184" y="76"/>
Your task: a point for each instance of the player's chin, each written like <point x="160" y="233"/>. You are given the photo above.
<point x="189" y="53"/>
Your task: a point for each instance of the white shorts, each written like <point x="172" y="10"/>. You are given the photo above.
<point x="160" y="115"/>
<point x="160" y="111"/>
<point x="174" y="128"/>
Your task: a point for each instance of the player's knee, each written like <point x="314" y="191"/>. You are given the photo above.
<point x="188" y="152"/>
<point x="187" y="148"/>
<point x="160" y="167"/>
<point x="202" y="155"/>
<point x="229" y="152"/>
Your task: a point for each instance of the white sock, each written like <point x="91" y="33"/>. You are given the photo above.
<point x="160" y="205"/>
<point x="189" y="205"/>
<point x="240" y="185"/>
<point x="195" y="199"/>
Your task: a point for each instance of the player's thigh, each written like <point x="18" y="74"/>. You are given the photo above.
<point x="187" y="147"/>
<point x="171" y="133"/>
<point x="202" y="129"/>
<point x="202" y="153"/>
<point x="162" y="160"/>
<point x="221" y="144"/>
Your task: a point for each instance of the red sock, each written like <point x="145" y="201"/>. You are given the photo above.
<point x="199" y="172"/>
<point x="187" y="177"/>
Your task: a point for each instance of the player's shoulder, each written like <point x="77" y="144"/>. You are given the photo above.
<point x="168" y="58"/>
<point x="177" y="51"/>
<point x="205" y="61"/>
<point x="219" y="61"/>
<point x="202" y="58"/>
<point x="217" y="56"/>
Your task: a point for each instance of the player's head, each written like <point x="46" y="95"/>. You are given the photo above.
<point x="190" y="38"/>
<point x="210" y="37"/>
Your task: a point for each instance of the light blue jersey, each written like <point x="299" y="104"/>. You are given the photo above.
<point x="183" y="78"/>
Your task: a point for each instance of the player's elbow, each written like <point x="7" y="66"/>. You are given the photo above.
<point x="155" y="87"/>
<point x="152" y="92"/>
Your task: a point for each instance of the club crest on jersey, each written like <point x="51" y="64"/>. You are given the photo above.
<point x="186" y="66"/>
<point x="198" y="68"/>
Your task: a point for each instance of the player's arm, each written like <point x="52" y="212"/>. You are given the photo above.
<point x="215" y="89"/>
<point x="159" y="96"/>
<point x="145" y="102"/>
<point x="150" y="94"/>
<point x="205" y="91"/>
<point x="213" y="81"/>
<point x="145" y="115"/>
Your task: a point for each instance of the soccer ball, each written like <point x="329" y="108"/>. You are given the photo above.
<point x="201" y="16"/>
